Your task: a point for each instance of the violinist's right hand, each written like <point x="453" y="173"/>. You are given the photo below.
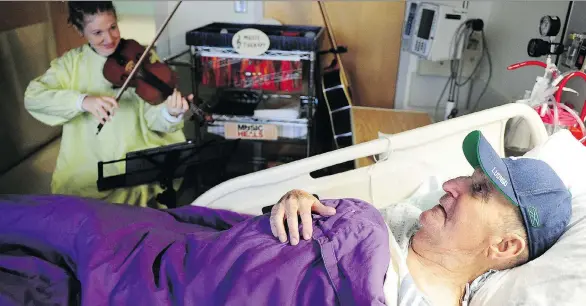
<point x="100" y="107"/>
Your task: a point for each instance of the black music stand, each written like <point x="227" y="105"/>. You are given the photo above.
<point x="164" y="164"/>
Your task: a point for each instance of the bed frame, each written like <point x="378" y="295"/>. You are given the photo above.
<point x="405" y="160"/>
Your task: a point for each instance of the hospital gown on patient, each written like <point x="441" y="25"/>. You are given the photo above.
<point x="53" y="99"/>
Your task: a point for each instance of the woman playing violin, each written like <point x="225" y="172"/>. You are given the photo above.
<point x="74" y="93"/>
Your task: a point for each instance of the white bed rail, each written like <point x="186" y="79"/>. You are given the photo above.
<point x="412" y="156"/>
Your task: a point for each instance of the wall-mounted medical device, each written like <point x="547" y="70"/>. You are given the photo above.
<point x="549" y="27"/>
<point x="430" y="28"/>
<point x="576" y="53"/>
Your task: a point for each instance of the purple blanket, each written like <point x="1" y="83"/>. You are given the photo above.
<point x="58" y="250"/>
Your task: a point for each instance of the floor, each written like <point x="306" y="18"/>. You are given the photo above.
<point x="368" y="122"/>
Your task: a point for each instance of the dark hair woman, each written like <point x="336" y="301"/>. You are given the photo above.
<point x="74" y="93"/>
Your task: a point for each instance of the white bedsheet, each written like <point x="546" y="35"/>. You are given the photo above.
<point x="395" y="272"/>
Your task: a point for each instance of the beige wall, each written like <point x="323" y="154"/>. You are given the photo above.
<point x="372" y="32"/>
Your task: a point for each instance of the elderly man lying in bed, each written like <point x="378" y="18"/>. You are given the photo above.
<point x="508" y="212"/>
<point x="63" y="250"/>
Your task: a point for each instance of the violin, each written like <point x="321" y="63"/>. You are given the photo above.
<point x="153" y="82"/>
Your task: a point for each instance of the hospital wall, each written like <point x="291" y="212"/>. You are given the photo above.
<point x="142" y="19"/>
<point x="193" y="14"/>
<point x="32" y="34"/>
<point x="27" y="46"/>
<point x="509" y="25"/>
<point x="136" y="20"/>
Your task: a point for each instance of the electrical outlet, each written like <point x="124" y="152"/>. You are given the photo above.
<point x="470" y="57"/>
<point x="240" y="6"/>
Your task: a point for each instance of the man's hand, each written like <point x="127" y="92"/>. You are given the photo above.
<point x="291" y="204"/>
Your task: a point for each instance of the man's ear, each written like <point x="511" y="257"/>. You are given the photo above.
<point x="507" y="247"/>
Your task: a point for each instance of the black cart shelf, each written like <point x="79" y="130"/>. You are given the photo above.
<point x="285" y="73"/>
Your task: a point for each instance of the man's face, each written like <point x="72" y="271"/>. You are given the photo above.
<point x="466" y="217"/>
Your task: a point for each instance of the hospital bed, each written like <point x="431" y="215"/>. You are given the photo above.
<point x="406" y="161"/>
<point x="147" y="257"/>
<point x="403" y="161"/>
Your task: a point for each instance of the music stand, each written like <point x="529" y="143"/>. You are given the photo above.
<point x="163" y="165"/>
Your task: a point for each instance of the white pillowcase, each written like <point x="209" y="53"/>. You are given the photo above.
<point x="558" y="277"/>
<point x="567" y="156"/>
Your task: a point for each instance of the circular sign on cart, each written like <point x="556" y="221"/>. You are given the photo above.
<point x="250" y="42"/>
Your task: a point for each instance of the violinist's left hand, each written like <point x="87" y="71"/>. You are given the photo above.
<point x="176" y="104"/>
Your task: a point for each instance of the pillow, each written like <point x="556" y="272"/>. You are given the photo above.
<point x="558" y="277"/>
<point x="567" y="156"/>
<point x="428" y="197"/>
<point x="424" y="197"/>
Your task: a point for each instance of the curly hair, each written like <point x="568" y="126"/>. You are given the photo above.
<point x="78" y="10"/>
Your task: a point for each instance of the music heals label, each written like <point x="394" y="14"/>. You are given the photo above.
<point x="234" y="130"/>
<point x="251" y="42"/>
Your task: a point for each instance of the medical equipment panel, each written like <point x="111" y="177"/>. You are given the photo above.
<point x="572" y="36"/>
<point x="432" y="27"/>
<point x="576" y="51"/>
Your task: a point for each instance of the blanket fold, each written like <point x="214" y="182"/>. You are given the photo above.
<point x="62" y="250"/>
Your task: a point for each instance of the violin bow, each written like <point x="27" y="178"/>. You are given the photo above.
<point x="142" y="57"/>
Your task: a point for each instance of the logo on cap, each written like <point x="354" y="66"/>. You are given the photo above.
<point x="533" y="216"/>
<point x="499" y="177"/>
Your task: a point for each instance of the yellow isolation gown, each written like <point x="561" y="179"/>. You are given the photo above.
<point x="55" y="98"/>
